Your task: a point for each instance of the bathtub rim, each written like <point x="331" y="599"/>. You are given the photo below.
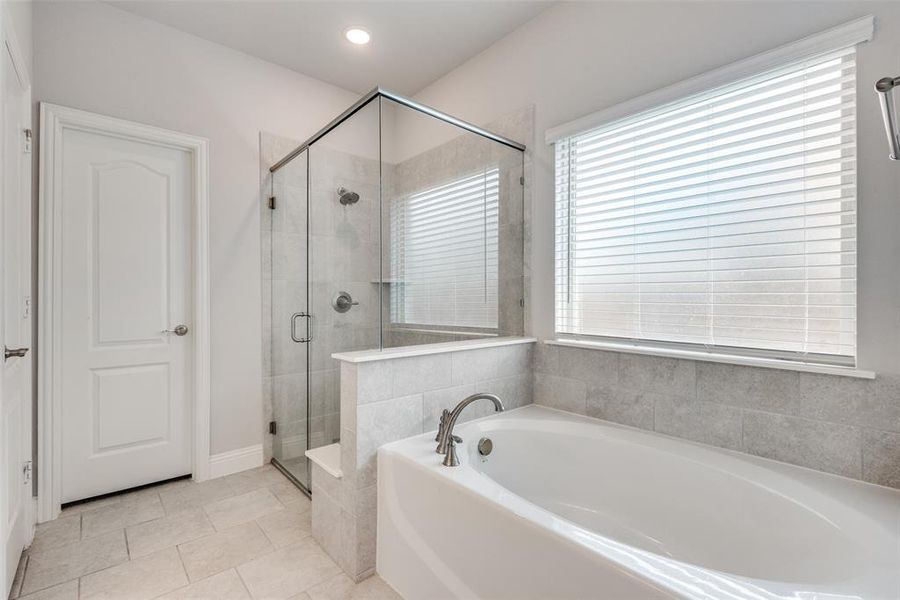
<point x="885" y="501"/>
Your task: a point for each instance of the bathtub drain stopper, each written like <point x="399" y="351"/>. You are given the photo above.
<point x="485" y="446"/>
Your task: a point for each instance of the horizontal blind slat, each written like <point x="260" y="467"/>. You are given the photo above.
<point x="727" y="218"/>
<point x="444" y="254"/>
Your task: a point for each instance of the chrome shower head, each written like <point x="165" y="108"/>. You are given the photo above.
<point x="347" y="197"/>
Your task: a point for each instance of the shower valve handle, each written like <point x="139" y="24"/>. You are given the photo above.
<point x="343" y="302"/>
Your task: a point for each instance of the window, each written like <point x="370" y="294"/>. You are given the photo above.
<point x="723" y="222"/>
<point x="444" y="254"/>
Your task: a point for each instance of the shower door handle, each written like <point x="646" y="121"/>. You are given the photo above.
<point x="294" y="336"/>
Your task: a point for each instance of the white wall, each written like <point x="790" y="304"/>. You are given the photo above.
<point x="20" y="12"/>
<point x="576" y="58"/>
<point x="95" y="57"/>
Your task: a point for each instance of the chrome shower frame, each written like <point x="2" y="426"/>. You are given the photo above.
<point x="343" y="301"/>
<point x="379" y="92"/>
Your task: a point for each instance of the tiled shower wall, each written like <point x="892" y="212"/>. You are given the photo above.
<point x="836" y="424"/>
<point x="388" y="400"/>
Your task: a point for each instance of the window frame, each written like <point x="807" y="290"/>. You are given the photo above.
<point x="850" y="34"/>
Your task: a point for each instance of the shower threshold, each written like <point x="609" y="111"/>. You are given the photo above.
<point x="293" y="478"/>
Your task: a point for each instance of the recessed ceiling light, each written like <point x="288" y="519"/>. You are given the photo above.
<point x="357" y="35"/>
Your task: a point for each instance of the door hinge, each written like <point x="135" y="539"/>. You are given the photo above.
<point x="273" y="428"/>
<point x="522" y="180"/>
<point x="272" y="202"/>
<point x="27" y="141"/>
<point x="26" y="471"/>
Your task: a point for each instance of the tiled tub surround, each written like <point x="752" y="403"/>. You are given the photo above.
<point x="387" y="400"/>
<point x="842" y="425"/>
<point x="241" y="536"/>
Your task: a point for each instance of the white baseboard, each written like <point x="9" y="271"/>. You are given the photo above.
<point x="235" y="461"/>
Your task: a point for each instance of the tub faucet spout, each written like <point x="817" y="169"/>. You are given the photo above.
<point x="445" y="438"/>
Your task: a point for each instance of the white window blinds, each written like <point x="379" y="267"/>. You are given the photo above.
<point x="725" y="220"/>
<point x="444" y="260"/>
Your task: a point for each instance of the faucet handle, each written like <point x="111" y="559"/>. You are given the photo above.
<point x="451" y="459"/>
<point x="442" y="425"/>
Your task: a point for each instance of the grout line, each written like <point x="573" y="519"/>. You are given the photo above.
<point x="183" y="570"/>
<point x="743" y="446"/>
<point x="274" y="495"/>
<point x="241" y="579"/>
<point x="181" y="560"/>
<point x="266" y="535"/>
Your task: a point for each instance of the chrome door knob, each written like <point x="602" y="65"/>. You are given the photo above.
<point x="179" y="330"/>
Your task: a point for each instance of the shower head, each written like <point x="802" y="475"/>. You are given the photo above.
<point x="347" y="197"/>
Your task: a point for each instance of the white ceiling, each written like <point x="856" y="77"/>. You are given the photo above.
<point x="413" y="43"/>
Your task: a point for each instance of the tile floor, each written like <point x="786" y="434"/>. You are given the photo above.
<point x="238" y="537"/>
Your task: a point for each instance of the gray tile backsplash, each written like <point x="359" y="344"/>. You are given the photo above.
<point x="560" y="392"/>
<point x="626" y="407"/>
<point x="842" y="425"/>
<point x="692" y="419"/>
<point x="881" y="457"/>
<point x="822" y="422"/>
<point x="819" y="445"/>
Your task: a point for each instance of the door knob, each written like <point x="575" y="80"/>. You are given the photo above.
<point x="179" y="330"/>
<point x="13" y="352"/>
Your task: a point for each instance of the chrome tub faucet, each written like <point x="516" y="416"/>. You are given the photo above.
<point x="445" y="438"/>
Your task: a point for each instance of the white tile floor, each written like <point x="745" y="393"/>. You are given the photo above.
<point x="239" y="537"/>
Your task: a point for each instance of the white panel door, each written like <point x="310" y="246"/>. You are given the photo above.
<point x="16" y="518"/>
<point x="126" y="280"/>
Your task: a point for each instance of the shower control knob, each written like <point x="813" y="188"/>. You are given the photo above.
<point x="343" y="301"/>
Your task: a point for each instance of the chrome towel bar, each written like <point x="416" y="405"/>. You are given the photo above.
<point x="883" y="88"/>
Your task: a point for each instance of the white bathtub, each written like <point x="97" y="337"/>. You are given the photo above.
<point x="572" y="507"/>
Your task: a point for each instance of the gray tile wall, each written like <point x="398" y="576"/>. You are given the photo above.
<point x="840" y="425"/>
<point x="388" y="400"/>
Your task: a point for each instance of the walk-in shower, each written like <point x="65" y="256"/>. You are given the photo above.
<point x="394" y="225"/>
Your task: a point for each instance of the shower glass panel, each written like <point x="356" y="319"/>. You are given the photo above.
<point x="393" y="226"/>
<point x="290" y="320"/>
<point x="452" y="230"/>
<point x="344" y="246"/>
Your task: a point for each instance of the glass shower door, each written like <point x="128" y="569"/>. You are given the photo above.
<point x="291" y="321"/>
<point x="344" y="264"/>
<point x="326" y="282"/>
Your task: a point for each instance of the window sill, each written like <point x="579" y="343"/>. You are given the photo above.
<point x="749" y="361"/>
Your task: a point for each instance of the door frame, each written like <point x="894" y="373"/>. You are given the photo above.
<point x="10" y="41"/>
<point x="54" y="120"/>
